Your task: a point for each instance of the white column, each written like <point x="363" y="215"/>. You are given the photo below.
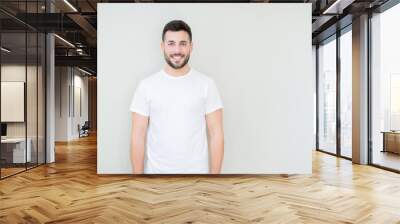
<point x="50" y="93"/>
<point x="50" y="110"/>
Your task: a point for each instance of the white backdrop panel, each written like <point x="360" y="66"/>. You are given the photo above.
<point x="259" y="56"/>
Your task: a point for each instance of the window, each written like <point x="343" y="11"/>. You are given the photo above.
<point x="385" y="89"/>
<point x="327" y="96"/>
<point x="346" y="94"/>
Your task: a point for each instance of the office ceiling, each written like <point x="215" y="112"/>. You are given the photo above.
<point x="76" y="21"/>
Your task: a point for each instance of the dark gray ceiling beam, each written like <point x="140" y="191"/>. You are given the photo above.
<point x="86" y="26"/>
<point x="330" y="18"/>
<point x="329" y="12"/>
<point x="321" y="20"/>
<point x="332" y="29"/>
<point x="383" y="6"/>
<point x="83" y="61"/>
<point x="74" y="13"/>
<point x="49" y="22"/>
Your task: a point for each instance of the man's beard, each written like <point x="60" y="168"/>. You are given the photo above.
<point x="170" y="63"/>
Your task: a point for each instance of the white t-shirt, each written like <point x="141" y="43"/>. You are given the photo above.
<point x="176" y="107"/>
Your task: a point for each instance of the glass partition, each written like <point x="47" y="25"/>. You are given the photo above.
<point x="32" y="95"/>
<point x="327" y="96"/>
<point x="13" y="95"/>
<point x="22" y="77"/>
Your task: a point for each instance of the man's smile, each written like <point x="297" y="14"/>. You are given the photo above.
<point x="177" y="57"/>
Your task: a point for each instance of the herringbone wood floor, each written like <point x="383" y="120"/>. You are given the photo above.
<point x="70" y="191"/>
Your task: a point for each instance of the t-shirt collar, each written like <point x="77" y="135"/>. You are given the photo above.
<point x="164" y="73"/>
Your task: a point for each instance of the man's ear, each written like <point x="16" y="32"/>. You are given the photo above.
<point x="162" y="45"/>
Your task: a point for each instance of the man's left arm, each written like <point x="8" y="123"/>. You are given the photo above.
<point x="215" y="139"/>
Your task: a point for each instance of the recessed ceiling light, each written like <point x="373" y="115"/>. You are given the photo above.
<point x="84" y="71"/>
<point x="337" y="7"/>
<point x="64" y="40"/>
<point x="70" y="5"/>
<point x="5" y="50"/>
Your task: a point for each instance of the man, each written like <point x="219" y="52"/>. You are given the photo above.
<point x="172" y="111"/>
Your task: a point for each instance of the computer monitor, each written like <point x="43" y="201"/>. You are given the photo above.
<point x="3" y="129"/>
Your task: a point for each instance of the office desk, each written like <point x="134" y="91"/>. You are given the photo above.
<point x="15" y="148"/>
<point x="391" y="141"/>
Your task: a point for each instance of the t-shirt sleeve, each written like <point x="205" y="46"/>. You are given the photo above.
<point x="213" y="98"/>
<point x="140" y="101"/>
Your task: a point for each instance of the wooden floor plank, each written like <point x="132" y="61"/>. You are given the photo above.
<point x="70" y="191"/>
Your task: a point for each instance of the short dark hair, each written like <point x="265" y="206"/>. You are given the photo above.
<point x="177" y="25"/>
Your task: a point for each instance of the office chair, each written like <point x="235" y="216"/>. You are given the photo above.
<point x="84" y="130"/>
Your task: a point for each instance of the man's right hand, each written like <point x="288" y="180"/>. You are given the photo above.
<point x="138" y="140"/>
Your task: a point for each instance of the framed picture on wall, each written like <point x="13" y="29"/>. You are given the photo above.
<point x="12" y="101"/>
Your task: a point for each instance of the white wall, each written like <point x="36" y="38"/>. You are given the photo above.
<point x="80" y="82"/>
<point x="260" y="61"/>
<point x="61" y="103"/>
<point x="67" y="80"/>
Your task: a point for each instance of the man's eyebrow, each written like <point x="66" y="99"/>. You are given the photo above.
<point x="171" y="41"/>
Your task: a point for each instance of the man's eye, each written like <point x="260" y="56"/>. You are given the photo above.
<point x="183" y="44"/>
<point x="170" y="44"/>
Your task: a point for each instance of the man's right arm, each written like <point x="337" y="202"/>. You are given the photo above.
<point x="138" y="140"/>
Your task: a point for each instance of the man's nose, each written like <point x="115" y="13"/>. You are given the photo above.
<point x="177" y="50"/>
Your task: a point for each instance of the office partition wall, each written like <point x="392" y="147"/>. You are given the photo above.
<point x="22" y="63"/>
